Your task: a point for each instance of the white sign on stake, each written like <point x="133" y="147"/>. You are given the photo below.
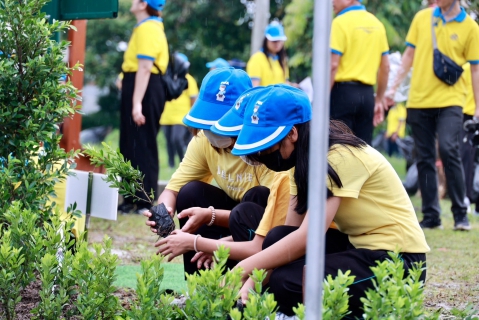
<point x="104" y="200"/>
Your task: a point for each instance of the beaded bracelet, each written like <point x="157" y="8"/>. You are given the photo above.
<point x="213" y="216"/>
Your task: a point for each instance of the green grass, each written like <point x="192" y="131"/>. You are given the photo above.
<point x="173" y="277"/>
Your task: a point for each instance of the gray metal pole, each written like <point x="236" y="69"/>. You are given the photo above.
<point x="317" y="159"/>
<point x="261" y="17"/>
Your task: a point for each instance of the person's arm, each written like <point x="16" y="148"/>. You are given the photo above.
<point x="475" y="87"/>
<point x="192" y="100"/>
<point x="406" y="64"/>
<point x="199" y="216"/>
<point x="141" y="83"/>
<point x="288" y="249"/>
<point x="335" y="60"/>
<point x="383" y="74"/>
<point x="293" y="218"/>
<point x="180" y="242"/>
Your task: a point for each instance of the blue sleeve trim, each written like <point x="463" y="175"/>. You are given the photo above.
<point x="385" y="53"/>
<point x="339" y="53"/>
<point x="409" y="44"/>
<point x="141" y="56"/>
<point x="474" y="62"/>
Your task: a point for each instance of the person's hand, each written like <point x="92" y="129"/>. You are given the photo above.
<point x="394" y="137"/>
<point x="203" y="259"/>
<point x="137" y="114"/>
<point x="196" y="218"/>
<point x="245" y="290"/>
<point x="378" y="112"/>
<point x="152" y="224"/>
<point x="176" y="243"/>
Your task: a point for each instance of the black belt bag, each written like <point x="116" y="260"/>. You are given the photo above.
<point x="445" y="68"/>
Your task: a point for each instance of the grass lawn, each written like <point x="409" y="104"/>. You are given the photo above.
<point x="452" y="265"/>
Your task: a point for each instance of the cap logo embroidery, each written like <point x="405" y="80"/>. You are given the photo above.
<point x="240" y="101"/>
<point x="220" y="96"/>
<point x="254" y="117"/>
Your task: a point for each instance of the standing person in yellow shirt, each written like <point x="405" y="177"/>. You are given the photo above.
<point x="143" y="95"/>
<point x="435" y="107"/>
<point x="359" y="61"/>
<point x="396" y="127"/>
<point x="468" y="151"/>
<point x="269" y="65"/>
<point x="176" y="133"/>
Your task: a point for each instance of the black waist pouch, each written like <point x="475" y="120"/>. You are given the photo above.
<point x="446" y="69"/>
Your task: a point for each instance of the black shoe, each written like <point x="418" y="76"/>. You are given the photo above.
<point x="429" y="223"/>
<point x="125" y="208"/>
<point x="462" y="225"/>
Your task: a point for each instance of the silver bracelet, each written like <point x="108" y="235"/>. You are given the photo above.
<point x="213" y="216"/>
<point x="194" y="243"/>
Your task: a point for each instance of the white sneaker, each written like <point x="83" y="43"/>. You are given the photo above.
<point x="468" y="204"/>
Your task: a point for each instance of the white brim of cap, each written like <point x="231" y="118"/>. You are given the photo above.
<point x="279" y="38"/>
<point x="255" y="139"/>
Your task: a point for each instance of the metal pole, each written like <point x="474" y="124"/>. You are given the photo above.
<point x="317" y="159"/>
<point x="260" y="21"/>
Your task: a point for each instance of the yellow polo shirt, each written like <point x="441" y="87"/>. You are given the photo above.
<point x="375" y="211"/>
<point x="266" y="69"/>
<point x="360" y="39"/>
<point x="470" y="106"/>
<point x="176" y="110"/>
<point x="397" y="115"/>
<point x="148" y="41"/>
<point x="458" y="39"/>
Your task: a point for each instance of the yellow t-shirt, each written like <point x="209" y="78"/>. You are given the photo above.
<point x="266" y="69"/>
<point x="203" y="163"/>
<point x="375" y="210"/>
<point x="278" y="202"/>
<point x="148" y="41"/>
<point x="458" y="39"/>
<point x="176" y="110"/>
<point x="360" y="39"/>
<point x="470" y="106"/>
<point x="397" y="114"/>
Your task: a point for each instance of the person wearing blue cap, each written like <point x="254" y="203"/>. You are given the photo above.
<point x="359" y="62"/>
<point x="143" y="96"/>
<point x="176" y="133"/>
<point x="217" y="63"/>
<point x="204" y="210"/>
<point x="269" y="65"/>
<point x="366" y="200"/>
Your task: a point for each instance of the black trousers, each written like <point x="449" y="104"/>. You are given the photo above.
<point x="177" y="138"/>
<point x="286" y="282"/>
<point x="138" y="143"/>
<point x="446" y="123"/>
<point x="244" y="217"/>
<point x="468" y="155"/>
<point x="353" y="103"/>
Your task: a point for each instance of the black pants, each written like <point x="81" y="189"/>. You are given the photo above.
<point x="446" y="123"/>
<point x="138" y="143"/>
<point x="468" y="153"/>
<point x="286" y="282"/>
<point x="353" y="103"/>
<point x="244" y="217"/>
<point x="177" y="138"/>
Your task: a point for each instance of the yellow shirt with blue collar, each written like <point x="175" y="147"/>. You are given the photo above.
<point x="148" y="41"/>
<point x="458" y="39"/>
<point x="360" y="39"/>
<point x="266" y="69"/>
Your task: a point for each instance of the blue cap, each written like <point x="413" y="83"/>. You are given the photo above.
<point x="231" y="123"/>
<point x="182" y="56"/>
<point x="219" y="91"/>
<point x="156" y="4"/>
<point x="270" y="115"/>
<point x="275" y="32"/>
<point x="218" y="63"/>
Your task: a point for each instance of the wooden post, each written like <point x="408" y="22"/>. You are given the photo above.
<point x="72" y="126"/>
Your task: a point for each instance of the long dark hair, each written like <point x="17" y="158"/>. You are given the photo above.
<point x="281" y="55"/>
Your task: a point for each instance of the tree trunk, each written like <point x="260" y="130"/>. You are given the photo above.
<point x="261" y="17"/>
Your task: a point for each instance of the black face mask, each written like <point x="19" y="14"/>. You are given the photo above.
<point x="274" y="161"/>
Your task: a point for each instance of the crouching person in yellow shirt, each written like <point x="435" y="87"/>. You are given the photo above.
<point x="234" y="210"/>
